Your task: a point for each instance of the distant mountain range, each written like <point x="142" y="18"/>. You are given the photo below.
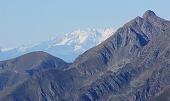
<point x="66" y="47"/>
<point x="133" y="64"/>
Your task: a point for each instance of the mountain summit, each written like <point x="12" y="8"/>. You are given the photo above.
<point x="131" y="65"/>
<point x="149" y="13"/>
<point x="67" y="47"/>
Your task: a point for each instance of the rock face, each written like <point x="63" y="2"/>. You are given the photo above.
<point x="17" y="70"/>
<point x="131" y="65"/>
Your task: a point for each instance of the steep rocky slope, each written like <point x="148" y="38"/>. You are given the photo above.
<point x="131" y="65"/>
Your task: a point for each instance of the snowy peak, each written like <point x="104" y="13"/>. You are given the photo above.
<point x="66" y="47"/>
<point x="84" y="39"/>
<point x="82" y="36"/>
<point x="78" y="36"/>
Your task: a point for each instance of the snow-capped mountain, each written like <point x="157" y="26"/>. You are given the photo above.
<point x="67" y="47"/>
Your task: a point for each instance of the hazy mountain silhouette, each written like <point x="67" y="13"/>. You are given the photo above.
<point x="131" y="65"/>
<point x="68" y="46"/>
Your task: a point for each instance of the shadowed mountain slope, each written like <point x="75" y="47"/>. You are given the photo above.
<point x="17" y="70"/>
<point x="33" y="60"/>
<point x="131" y="65"/>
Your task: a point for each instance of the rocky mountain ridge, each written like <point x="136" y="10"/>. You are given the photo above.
<point x="131" y="65"/>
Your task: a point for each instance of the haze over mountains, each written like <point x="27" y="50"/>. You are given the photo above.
<point x="131" y="65"/>
<point x="68" y="46"/>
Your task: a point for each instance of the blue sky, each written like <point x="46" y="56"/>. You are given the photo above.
<point x="32" y="21"/>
